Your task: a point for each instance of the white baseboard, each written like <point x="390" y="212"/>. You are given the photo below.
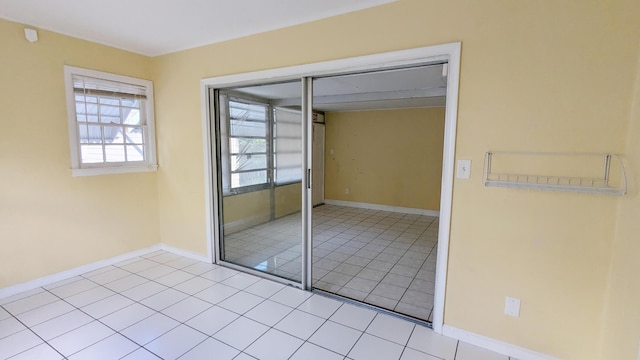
<point x="398" y="209"/>
<point x="53" y="278"/>
<point x="185" y="253"/>
<point x="494" y="345"/>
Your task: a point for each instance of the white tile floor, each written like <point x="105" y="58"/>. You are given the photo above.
<point x="382" y="258"/>
<point x="164" y="306"/>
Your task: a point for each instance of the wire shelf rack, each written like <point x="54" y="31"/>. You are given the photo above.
<point x="601" y="173"/>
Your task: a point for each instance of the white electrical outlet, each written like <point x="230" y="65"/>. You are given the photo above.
<point x="346" y="190"/>
<point x="463" y="170"/>
<point x="512" y="307"/>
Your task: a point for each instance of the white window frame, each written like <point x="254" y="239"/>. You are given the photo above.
<point x="80" y="169"/>
<point x="271" y="138"/>
<point x="268" y="134"/>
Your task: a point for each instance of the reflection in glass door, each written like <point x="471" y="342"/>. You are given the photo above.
<point x="260" y="179"/>
<point x="263" y="197"/>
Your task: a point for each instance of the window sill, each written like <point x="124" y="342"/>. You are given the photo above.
<point x="113" y="170"/>
<point x="288" y="183"/>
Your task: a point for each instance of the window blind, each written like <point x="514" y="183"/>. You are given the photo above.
<point x="110" y="122"/>
<point x="247" y="148"/>
<point x="92" y="86"/>
<point x="288" y="145"/>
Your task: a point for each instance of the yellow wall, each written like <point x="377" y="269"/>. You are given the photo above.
<point x="536" y="76"/>
<point x="252" y="208"/>
<point x="49" y="220"/>
<point x="622" y="318"/>
<point x="288" y="199"/>
<point x="386" y="157"/>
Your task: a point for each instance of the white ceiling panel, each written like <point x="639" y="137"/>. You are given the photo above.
<point x="423" y="86"/>
<point x="416" y="78"/>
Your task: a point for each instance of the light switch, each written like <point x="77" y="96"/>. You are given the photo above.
<point x="463" y="170"/>
<point x="512" y="307"/>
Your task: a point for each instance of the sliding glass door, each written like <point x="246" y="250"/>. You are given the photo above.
<point x="262" y="160"/>
<point x="260" y="147"/>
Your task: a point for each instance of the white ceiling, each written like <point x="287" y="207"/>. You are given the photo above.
<point x="156" y="27"/>
<point x="423" y="86"/>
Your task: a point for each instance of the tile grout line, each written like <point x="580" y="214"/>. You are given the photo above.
<point x="389" y="226"/>
<point x="33" y="332"/>
<point x="269" y="326"/>
<point x="360" y="220"/>
<point x="263" y="299"/>
<point x="101" y="322"/>
<point x="180" y="322"/>
<point x="161" y="311"/>
<point x="119" y="293"/>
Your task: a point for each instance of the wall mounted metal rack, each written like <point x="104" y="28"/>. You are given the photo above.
<point x="601" y="173"/>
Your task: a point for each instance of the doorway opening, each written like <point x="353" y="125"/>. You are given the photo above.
<point x="375" y="240"/>
<point x="243" y="162"/>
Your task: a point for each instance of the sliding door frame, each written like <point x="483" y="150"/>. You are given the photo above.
<point x="449" y="53"/>
<point x="307" y="178"/>
<point x="215" y="106"/>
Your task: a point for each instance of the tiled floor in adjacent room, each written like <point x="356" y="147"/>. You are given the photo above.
<point x="166" y="306"/>
<point x="382" y="258"/>
<point x="386" y="259"/>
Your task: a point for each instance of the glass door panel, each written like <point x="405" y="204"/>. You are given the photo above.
<point x="377" y="126"/>
<point x="260" y="178"/>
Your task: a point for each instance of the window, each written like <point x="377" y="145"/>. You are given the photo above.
<point x="110" y="123"/>
<point x="288" y="145"/>
<point x="248" y="143"/>
<point x="260" y="144"/>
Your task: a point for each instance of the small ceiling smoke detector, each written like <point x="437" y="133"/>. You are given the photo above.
<point x="31" y="35"/>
